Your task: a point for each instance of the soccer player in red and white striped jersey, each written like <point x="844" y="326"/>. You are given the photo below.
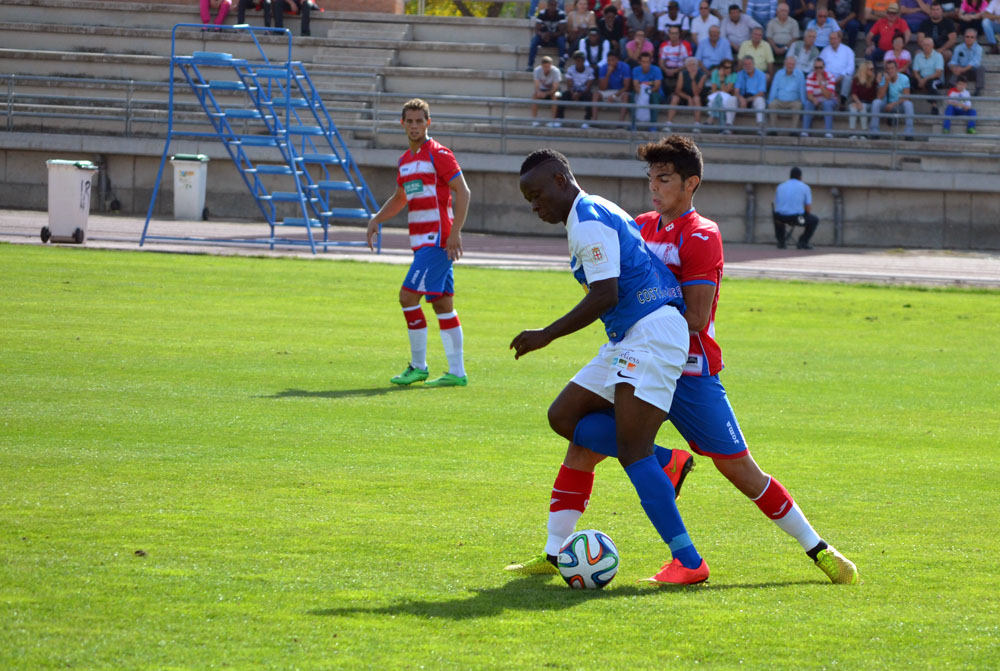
<point x="430" y="184"/>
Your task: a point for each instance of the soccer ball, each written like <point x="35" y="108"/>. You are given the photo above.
<point x="588" y="560"/>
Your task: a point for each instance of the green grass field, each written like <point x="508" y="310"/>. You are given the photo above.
<point x="203" y="466"/>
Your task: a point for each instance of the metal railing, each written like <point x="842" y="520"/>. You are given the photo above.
<point x="127" y="108"/>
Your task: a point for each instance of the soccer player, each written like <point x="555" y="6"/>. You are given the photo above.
<point x="634" y="374"/>
<point x="691" y="246"/>
<point x="428" y="180"/>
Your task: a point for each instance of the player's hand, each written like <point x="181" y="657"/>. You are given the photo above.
<point x="529" y="341"/>
<point x="372" y="232"/>
<point x="454" y="246"/>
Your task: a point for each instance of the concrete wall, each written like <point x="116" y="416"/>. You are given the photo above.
<point x="900" y="214"/>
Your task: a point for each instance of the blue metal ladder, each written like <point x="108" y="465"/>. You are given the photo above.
<point x="281" y="119"/>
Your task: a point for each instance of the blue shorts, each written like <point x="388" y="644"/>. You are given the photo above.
<point x="430" y="273"/>
<point x="704" y="418"/>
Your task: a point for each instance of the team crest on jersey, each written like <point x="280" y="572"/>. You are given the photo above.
<point x="597" y="254"/>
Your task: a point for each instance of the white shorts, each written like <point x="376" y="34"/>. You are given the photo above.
<point x="650" y="358"/>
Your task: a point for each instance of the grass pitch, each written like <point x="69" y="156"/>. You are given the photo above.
<point x="202" y="465"/>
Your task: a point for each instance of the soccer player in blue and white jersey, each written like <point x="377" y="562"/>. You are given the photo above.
<point x="635" y="372"/>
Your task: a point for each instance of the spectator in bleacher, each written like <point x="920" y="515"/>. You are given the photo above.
<point x="880" y="36"/>
<point x="546" y="78"/>
<point x="612" y="28"/>
<point x="701" y="23"/>
<point x="533" y="8"/>
<point x="673" y="17"/>
<point x="805" y="52"/>
<point x="991" y="25"/>
<point x="761" y="11"/>
<point x="781" y="32"/>
<point x="636" y="47"/>
<point x="967" y="60"/>
<point x="640" y="18"/>
<point x="550" y="31"/>
<point x="614" y="81"/>
<point x="737" y="26"/>
<point x="658" y="8"/>
<point x="751" y="89"/>
<point x="691" y="90"/>
<point x="914" y="12"/>
<point x="275" y="10"/>
<point x="719" y="8"/>
<point x="579" y="21"/>
<point x="893" y="96"/>
<point x="941" y="30"/>
<point x="823" y="25"/>
<point x="722" y="94"/>
<point x="840" y="63"/>
<point x="927" y="72"/>
<point x="220" y="17"/>
<point x="845" y="13"/>
<point x="579" y="86"/>
<point x="714" y="50"/>
<point x="758" y="49"/>
<point x="971" y="14"/>
<point x="864" y="90"/>
<point x="900" y="55"/>
<point x="595" y="49"/>
<point x="673" y="53"/>
<point x="802" y="12"/>
<point x="821" y="93"/>
<point x="959" y="103"/>
<point x="688" y="8"/>
<point x="788" y="91"/>
<point x="647" y="83"/>
<point x="873" y="11"/>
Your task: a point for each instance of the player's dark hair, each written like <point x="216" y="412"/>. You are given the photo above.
<point x="416" y="104"/>
<point x="796" y="173"/>
<point x="677" y="150"/>
<point x="540" y="156"/>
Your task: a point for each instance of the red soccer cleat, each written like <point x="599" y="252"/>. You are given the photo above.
<point x="681" y="463"/>
<point x="675" y="573"/>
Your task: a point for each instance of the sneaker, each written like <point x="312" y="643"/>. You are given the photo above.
<point x="537" y="565"/>
<point x="970" y="131"/>
<point x="675" y="573"/>
<point x="803" y="245"/>
<point x="534" y="124"/>
<point x="410" y="375"/>
<point x="448" y="380"/>
<point x="909" y="138"/>
<point x="803" y="134"/>
<point x="837" y="567"/>
<point x="585" y="125"/>
<point x="681" y="463"/>
<point x="829" y="136"/>
<point x="667" y="127"/>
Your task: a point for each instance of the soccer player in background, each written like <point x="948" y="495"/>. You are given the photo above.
<point x="691" y="246"/>
<point x="428" y="180"/>
<point x="634" y="374"/>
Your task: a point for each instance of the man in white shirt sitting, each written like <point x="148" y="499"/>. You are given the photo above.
<point x="839" y="60"/>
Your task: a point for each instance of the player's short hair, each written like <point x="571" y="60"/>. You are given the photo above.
<point x="796" y="173"/>
<point x="416" y="104"/>
<point x="677" y="150"/>
<point x="539" y="156"/>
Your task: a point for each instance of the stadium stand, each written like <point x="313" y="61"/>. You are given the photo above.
<point x="111" y="60"/>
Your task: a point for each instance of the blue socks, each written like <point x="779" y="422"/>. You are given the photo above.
<point x="657" y="497"/>
<point x="596" y="432"/>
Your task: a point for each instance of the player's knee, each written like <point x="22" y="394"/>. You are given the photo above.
<point x="561" y="421"/>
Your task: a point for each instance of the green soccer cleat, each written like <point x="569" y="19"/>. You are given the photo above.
<point x="447" y="380"/>
<point x="537" y="565"/>
<point x="410" y="375"/>
<point x="837" y="567"/>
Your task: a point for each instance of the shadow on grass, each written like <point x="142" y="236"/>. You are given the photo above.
<point x="530" y="593"/>
<point x="339" y="393"/>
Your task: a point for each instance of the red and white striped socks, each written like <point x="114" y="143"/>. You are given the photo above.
<point x="570" y="496"/>
<point x="416" y="326"/>
<point x="777" y="504"/>
<point x="451" y="338"/>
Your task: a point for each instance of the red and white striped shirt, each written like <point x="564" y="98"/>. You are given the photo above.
<point x="424" y="177"/>
<point x="815" y="87"/>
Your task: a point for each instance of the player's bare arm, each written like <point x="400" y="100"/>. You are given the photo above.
<point x="699" y="299"/>
<point x="603" y="296"/>
<point x="390" y="209"/>
<point x="460" y="196"/>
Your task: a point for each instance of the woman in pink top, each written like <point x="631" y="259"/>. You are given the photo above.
<point x="971" y="15"/>
<point x="900" y="55"/>
<point x="220" y="18"/>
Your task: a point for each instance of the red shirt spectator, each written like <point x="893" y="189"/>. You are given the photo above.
<point x="816" y="85"/>
<point x="887" y="28"/>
